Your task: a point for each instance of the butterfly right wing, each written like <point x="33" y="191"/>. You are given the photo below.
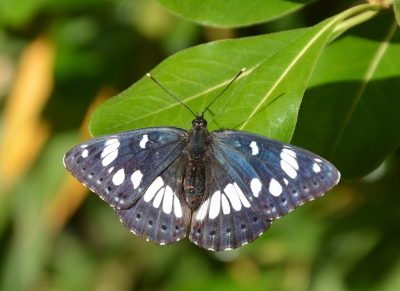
<point x="254" y="180"/>
<point x="225" y="220"/>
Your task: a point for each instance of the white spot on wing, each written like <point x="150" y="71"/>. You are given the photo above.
<point x="226" y="208"/>
<point x="111" y="141"/>
<point x="230" y="191"/>
<point x="201" y="213"/>
<point x="275" y="188"/>
<point x="109" y="158"/>
<point x="110" y="152"/>
<point x="118" y="177"/>
<point x="254" y="148"/>
<point x="158" y="199"/>
<point x="110" y="169"/>
<point x="84" y="146"/>
<point x="318" y="160"/>
<point x="85" y="154"/>
<point x="288" y="169"/>
<point x="118" y="199"/>
<point x="110" y="147"/>
<point x="168" y="200"/>
<point x="289" y="152"/>
<point x="136" y="178"/>
<point x="177" y="207"/>
<point x="316" y="168"/>
<point x="286" y="181"/>
<point x="243" y="198"/>
<point x="255" y="186"/>
<point x="289" y="159"/>
<point x="144" y="140"/>
<point x="215" y="205"/>
<point x="153" y="188"/>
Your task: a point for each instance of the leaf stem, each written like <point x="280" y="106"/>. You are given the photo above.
<point x="359" y="9"/>
<point x="355" y="20"/>
<point x="362" y="13"/>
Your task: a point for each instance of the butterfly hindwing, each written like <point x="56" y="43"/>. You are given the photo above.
<point x="119" y="167"/>
<point x="225" y="220"/>
<point x="161" y="213"/>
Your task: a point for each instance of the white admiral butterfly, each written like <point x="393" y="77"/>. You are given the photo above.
<point x="227" y="185"/>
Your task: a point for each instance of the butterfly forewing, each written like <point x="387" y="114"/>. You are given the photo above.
<point x="120" y="167"/>
<point x="275" y="177"/>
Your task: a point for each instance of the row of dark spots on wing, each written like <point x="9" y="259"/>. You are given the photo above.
<point x="83" y="169"/>
<point x="294" y="191"/>
<point x="150" y="222"/>
<point x="228" y="230"/>
<point x="91" y="174"/>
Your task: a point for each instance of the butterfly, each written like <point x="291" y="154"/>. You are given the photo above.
<point x="227" y="185"/>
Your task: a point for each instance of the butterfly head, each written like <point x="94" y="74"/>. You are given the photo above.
<point x="199" y="121"/>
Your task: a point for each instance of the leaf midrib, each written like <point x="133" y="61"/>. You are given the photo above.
<point x="286" y="71"/>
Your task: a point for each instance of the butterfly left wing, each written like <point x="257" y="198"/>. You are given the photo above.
<point x="161" y="214"/>
<point x="258" y="178"/>
<point x="119" y="167"/>
<point x="137" y="173"/>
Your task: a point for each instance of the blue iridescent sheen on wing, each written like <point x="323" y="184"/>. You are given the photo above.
<point x="254" y="180"/>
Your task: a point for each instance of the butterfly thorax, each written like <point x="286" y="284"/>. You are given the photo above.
<point x="194" y="178"/>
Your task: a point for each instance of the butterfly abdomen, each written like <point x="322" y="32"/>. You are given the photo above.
<point x="194" y="182"/>
<point x="194" y="176"/>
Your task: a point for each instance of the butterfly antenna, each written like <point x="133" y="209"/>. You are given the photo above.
<point x="155" y="81"/>
<point x="215" y="99"/>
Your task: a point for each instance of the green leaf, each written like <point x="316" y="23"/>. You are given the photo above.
<point x="234" y="12"/>
<point x="350" y="112"/>
<point x="195" y="76"/>
<point x="265" y="99"/>
<point x="268" y="100"/>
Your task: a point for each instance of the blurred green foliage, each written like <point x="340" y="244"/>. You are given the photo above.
<point x="54" y="237"/>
